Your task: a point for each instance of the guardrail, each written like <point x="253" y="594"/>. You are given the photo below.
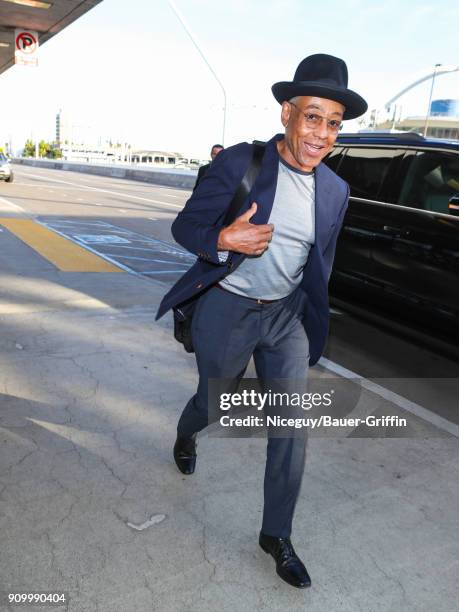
<point x="160" y="176"/>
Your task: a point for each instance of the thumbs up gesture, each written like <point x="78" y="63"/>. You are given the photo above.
<point x="245" y="237"/>
<point x="249" y="213"/>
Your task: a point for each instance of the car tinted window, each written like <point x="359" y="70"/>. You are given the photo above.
<point x="334" y="158"/>
<point x="365" y="170"/>
<point x="432" y="178"/>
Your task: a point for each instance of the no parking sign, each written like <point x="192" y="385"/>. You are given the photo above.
<point x="26" y="47"/>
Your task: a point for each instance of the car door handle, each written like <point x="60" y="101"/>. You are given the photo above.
<point x="397" y="232"/>
<point x="358" y="231"/>
<point x="392" y="230"/>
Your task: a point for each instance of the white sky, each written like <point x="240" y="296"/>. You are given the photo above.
<point x="129" y="71"/>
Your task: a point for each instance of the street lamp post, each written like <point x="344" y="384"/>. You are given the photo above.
<point x="193" y="40"/>
<point x="430" y="99"/>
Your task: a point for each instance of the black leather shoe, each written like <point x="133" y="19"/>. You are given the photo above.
<point x="185" y="454"/>
<point x="288" y="565"/>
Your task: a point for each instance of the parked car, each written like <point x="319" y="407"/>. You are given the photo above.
<point x="6" y="172"/>
<point x="399" y="246"/>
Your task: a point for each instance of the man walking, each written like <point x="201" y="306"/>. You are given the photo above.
<point x="263" y="279"/>
<point x="215" y="150"/>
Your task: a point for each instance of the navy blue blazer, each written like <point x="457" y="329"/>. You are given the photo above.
<point x="198" y="225"/>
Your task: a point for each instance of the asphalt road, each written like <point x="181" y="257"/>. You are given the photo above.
<point x="129" y="223"/>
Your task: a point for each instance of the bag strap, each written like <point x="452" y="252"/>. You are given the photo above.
<point x="247" y="183"/>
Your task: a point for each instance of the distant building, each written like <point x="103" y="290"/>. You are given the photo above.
<point x="443" y="121"/>
<point x="166" y="159"/>
<point x="163" y="158"/>
<point x="62" y="129"/>
<point x="444" y="108"/>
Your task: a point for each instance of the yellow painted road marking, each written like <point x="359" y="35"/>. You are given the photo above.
<point x="64" y="254"/>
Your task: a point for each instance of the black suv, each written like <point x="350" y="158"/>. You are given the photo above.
<point x="399" y="246"/>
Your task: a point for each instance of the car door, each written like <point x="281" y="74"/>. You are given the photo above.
<point x="416" y="243"/>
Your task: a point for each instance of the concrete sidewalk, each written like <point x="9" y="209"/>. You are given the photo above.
<point x="91" y="389"/>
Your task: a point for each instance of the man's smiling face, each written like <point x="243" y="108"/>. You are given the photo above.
<point x="306" y="144"/>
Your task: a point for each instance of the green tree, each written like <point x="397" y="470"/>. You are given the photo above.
<point x="43" y="148"/>
<point x="55" y="153"/>
<point x="29" y="149"/>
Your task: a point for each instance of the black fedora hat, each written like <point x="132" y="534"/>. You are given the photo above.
<point x="324" y="76"/>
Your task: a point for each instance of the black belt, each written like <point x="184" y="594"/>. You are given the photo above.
<point x="256" y="300"/>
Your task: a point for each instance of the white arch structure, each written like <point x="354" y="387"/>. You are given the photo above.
<point x="438" y="70"/>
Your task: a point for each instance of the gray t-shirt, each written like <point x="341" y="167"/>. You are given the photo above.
<point x="279" y="270"/>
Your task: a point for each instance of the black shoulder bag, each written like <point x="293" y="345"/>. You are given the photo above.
<point x="183" y="313"/>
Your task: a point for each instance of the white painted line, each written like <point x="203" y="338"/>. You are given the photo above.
<point x="114" y="255"/>
<point x="149" y="250"/>
<point x="122" y="210"/>
<point x="163" y="188"/>
<point x="13" y="206"/>
<point x="395" y="398"/>
<point x="157" y="247"/>
<point x="163" y="271"/>
<point x="168" y="262"/>
<point x="100" y="239"/>
<point x="16" y="184"/>
<point x="164" y="261"/>
<point x="72" y="222"/>
<point x="55" y="187"/>
<point x="116" y="193"/>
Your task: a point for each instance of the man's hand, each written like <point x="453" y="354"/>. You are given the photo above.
<point x="245" y="237"/>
